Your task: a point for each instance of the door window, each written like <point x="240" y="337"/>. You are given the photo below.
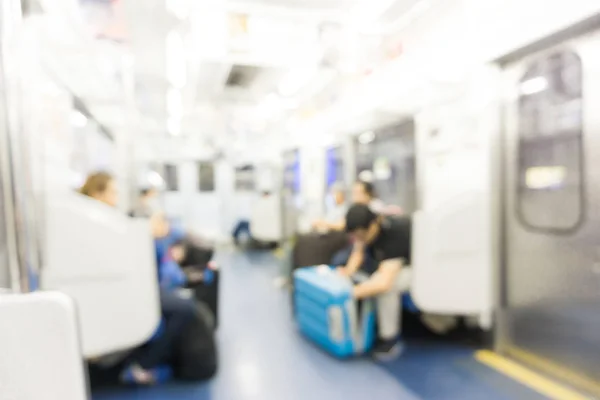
<point x="171" y="178"/>
<point x="550" y="193"/>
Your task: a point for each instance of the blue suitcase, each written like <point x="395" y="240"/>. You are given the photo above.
<point x="327" y="314"/>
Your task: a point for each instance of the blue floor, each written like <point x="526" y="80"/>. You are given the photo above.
<point x="262" y="357"/>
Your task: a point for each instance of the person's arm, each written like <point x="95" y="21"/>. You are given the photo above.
<point x="356" y="259"/>
<point x="171" y="275"/>
<point x="393" y="210"/>
<point x="382" y="281"/>
<point x="318" y="224"/>
<point x="336" y="226"/>
<point x="159" y="226"/>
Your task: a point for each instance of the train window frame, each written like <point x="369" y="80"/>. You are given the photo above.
<point x="292" y="171"/>
<point x="405" y="132"/>
<point x="245" y="178"/>
<point x="578" y="137"/>
<point x="171" y="177"/>
<point x="206" y="185"/>
<point x="335" y="162"/>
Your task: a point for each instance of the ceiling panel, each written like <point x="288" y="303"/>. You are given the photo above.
<point x="313" y="4"/>
<point x="296" y="10"/>
<point x="325" y="5"/>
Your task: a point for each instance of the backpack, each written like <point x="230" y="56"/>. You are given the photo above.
<point x="196" y="353"/>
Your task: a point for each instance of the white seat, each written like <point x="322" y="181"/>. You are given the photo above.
<point x="266" y="222"/>
<point x="105" y="261"/>
<point x="40" y="353"/>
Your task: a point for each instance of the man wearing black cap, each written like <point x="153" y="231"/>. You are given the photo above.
<point x="388" y="241"/>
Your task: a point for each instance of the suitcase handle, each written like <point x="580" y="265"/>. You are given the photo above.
<point x="336" y="323"/>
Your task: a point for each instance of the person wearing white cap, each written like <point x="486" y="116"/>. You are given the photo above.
<point x="334" y="219"/>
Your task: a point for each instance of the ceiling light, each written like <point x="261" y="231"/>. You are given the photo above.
<point x="176" y="60"/>
<point x="366" y="137"/>
<point x="78" y="120"/>
<point x="367" y="11"/>
<point x="289" y="104"/>
<point x="372" y="25"/>
<point x="179" y="8"/>
<point x="534" y="85"/>
<point x="155" y="180"/>
<point x="174" y="103"/>
<point x="174" y="126"/>
<point x="296" y="79"/>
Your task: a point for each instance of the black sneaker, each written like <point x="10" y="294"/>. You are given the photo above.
<point x="388" y="350"/>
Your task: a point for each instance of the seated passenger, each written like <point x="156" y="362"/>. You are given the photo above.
<point x="388" y="239"/>
<point x="334" y="220"/>
<point x="147" y="203"/>
<point x="171" y="275"/>
<point x="364" y="193"/>
<point x="145" y="365"/>
<point x="241" y="229"/>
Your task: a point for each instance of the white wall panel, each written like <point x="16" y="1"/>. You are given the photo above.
<point x="453" y="237"/>
<point x="200" y="212"/>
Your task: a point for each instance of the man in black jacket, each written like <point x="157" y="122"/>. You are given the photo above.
<point x="388" y="241"/>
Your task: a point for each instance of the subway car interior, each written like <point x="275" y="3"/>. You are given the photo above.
<point x="299" y="199"/>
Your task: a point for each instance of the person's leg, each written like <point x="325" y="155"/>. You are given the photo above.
<point x="207" y="292"/>
<point x="177" y="313"/>
<point x="389" y="316"/>
<point x="236" y="232"/>
<point x="287" y="265"/>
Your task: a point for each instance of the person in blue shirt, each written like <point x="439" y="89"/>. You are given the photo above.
<point x="170" y="274"/>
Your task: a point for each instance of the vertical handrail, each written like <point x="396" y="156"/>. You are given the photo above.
<point x="10" y="19"/>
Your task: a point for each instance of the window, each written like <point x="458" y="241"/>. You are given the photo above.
<point x="335" y="166"/>
<point x="206" y="177"/>
<point x="291" y="160"/>
<point x="386" y="157"/>
<point x="550" y="182"/>
<point x="244" y="178"/>
<point x="171" y="178"/>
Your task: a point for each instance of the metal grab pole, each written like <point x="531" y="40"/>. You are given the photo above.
<point x="10" y="22"/>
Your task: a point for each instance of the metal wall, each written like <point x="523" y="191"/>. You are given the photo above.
<point x="551" y="277"/>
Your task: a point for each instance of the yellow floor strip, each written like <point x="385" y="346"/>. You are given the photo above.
<point x="279" y="253"/>
<point x="527" y="377"/>
<point x="552" y="368"/>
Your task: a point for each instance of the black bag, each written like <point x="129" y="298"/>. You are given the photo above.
<point x="317" y="249"/>
<point x="208" y="294"/>
<point x="196" y="353"/>
<point x="196" y="255"/>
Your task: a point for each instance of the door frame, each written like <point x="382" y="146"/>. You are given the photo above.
<point x="581" y="29"/>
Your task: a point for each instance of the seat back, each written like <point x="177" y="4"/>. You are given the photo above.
<point x="40" y="355"/>
<point x="106" y="262"/>
<point x="266" y="222"/>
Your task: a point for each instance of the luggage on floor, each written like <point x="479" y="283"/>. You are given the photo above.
<point x="196" y="353"/>
<point x="328" y="315"/>
<point x="317" y="248"/>
<point x="196" y="253"/>
<point x="207" y="292"/>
